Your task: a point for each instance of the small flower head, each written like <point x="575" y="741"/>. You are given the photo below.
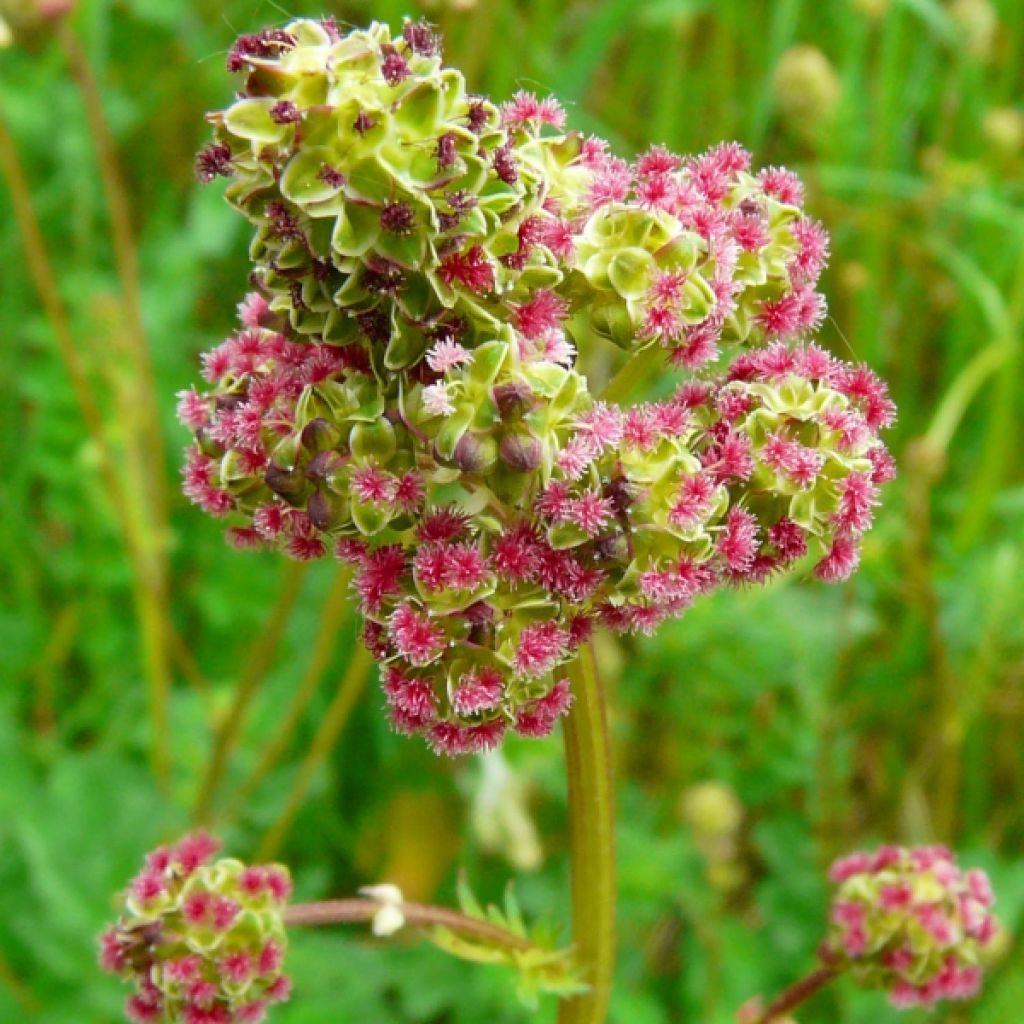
<point x="912" y="922"/>
<point x="201" y="940"/>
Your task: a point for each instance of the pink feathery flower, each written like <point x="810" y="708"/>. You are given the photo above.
<point x="437" y="401"/>
<point x="525" y="106"/>
<point x="478" y="691"/>
<point x="782" y="184"/>
<point x="840" y="561"/>
<point x="472" y="270"/>
<point x="381" y="577"/>
<point x="514" y="555"/>
<point x="737" y="543"/>
<point x="590" y="512"/>
<point x="544" y="312"/>
<point x="193" y="410"/>
<point x="448" y="354"/>
<point x="253" y="309"/>
<point x="611" y="182"/>
<point x="657" y="160"/>
<point x="415" y="636"/>
<point x="371" y="484"/>
<point x="541" y="646"/>
<point x="693" y="500"/>
<point x="812" y="252"/>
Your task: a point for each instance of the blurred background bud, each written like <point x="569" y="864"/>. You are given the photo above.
<point x="712" y="810"/>
<point x="977" y="25"/>
<point x="500" y="817"/>
<point x="24" y="20"/>
<point x="873" y="9"/>
<point x="714" y="815"/>
<point x="807" y="90"/>
<point x="1003" y="129"/>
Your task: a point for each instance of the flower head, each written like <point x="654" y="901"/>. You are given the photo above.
<point x="910" y="921"/>
<point x="404" y="389"/>
<point x="201" y="940"/>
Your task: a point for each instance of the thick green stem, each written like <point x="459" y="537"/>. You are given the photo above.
<point x="592" y="842"/>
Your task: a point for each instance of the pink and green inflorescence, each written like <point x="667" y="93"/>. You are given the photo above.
<point x="202" y="940"/>
<point x="404" y="391"/>
<point x="910" y="921"/>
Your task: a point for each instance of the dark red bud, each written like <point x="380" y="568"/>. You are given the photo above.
<point x="288" y="483"/>
<point x="319" y="435"/>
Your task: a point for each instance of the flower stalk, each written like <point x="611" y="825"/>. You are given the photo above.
<point x="592" y="842"/>
<point x="797" y="993"/>
<point x="423" y="915"/>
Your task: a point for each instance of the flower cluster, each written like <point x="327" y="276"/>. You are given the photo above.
<point x="912" y="922"/>
<point x="405" y="389"/>
<point x="202" y="940"/>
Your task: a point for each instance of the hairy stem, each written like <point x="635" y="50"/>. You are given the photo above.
<point x="592" y="842"/>
<point x="349" y="689"/>
<point x="797" y="993"/>
<point x="424" y="915"/>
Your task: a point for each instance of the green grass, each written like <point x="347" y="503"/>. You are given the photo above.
<point x="889" y="709"/>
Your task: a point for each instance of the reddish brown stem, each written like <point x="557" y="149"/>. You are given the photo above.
<point x="423" y="914"/>
<point x="797" y="993"/>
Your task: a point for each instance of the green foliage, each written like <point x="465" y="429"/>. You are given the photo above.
<point x="890" y="709"/>
<point x="543" y="968"/>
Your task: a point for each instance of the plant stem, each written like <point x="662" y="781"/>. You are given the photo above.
<point x="44" y="279"/>
<point x="356" y="911"/>
<point x="333" y="722"/>
<point x="797" y="993"/>
<point x="255" y="670"/>
<point x="152" y="521"/>
<point x="592" y="842"/>
<point x="336" y="608"/>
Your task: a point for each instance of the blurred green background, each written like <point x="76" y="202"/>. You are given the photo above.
<point x="758" y="737"/>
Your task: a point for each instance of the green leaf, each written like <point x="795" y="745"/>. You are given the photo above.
<point x="250" y="119"/>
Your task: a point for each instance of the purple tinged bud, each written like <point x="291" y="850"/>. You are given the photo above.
<point x="505" y="165"/>
<point x="393" y="67"/>
<point x="325" y="465"/>
<point x="479" y="116"/>
<point x="319" y="435"/>
<point x="446" y="152"/>
<point x="475" y="453"/>
<point x="288" y="483"/>
<point x="521" y="451"/>
<point x="325" y="510"/>
<point x="513" y="400"/>
<point x="285" y="112"/>
<point x="363" y="123"/>
<point x="398" y="218"/>
<point x="214" y="161"/>
<point x="421" y="38"/>
<point x="332" y="176"/>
